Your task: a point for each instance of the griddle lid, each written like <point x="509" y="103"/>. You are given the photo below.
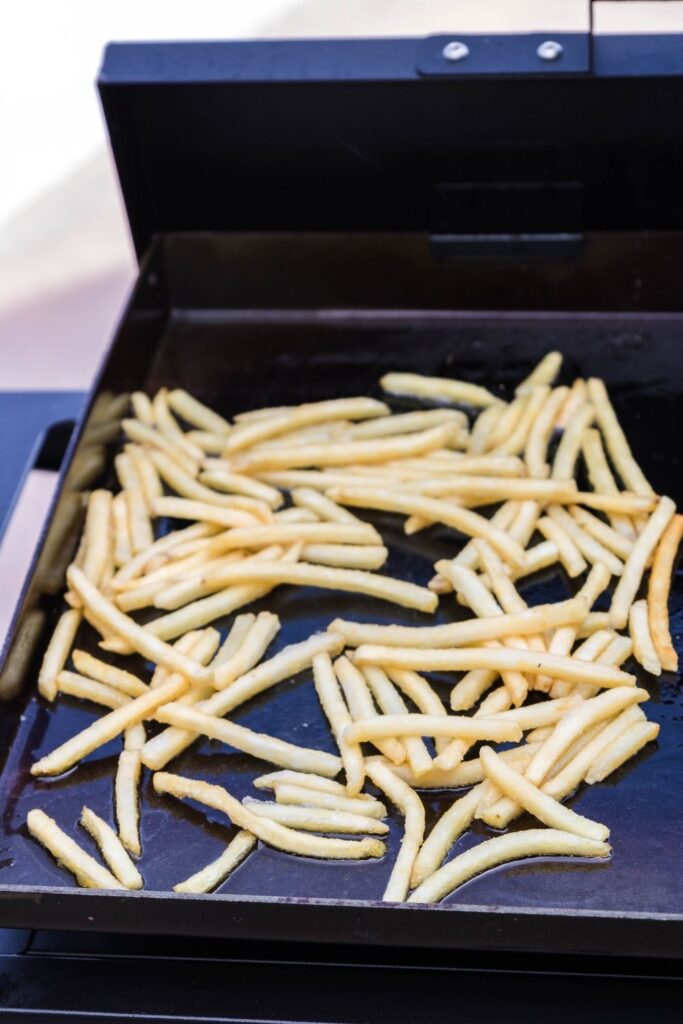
<point x="387" y="134"/>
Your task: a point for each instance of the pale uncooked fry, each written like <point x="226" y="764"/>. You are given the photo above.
<point x="536" y="449"/>
<point x="337" y="714"/>
<point x="182" y="508"/>
<point x="570" y="556"/>
<point x="147" y="474"/>
<point x="316" y="819"/>
<point x="643" y="548"/>
<point x="283" y="665"/>
<point x="146" y="435"/>
<point x="186" y="485"/>
<point x="578" y="393"/>
<point x="98" y="535"/>
<point x="414" y="524"/>
<point x="603" y="532"/>
<point x="540" y="804"/>
<point x="162" y="547"/>
<point x="106" y="728"/>
<point x="176" y="585"/>
<point x="589" y="547"/>
<point x="483" y="428"/>
<point x="470" y="588"/>
<point x="544" y="372"/>
<point x="624" y="501"/>
<point x="343" y="452"/>
<point x="503" y="588"/>
<point x="305" y="779"/>
<point x="500" y="850"/>
<point x="467" y="773"/>
<point x="282" y="421"/>
<point x="262" y="633"/>
<point x="475" y="728"/>
<point x="126" y="799"/>
<point x="564" y="464"/>
<point x="497" y="701"/>
<point x="489" y="489"/>
<point x="405" y="423"/>
<point x="467" y="522"/>
<point x="112" y="849"/>
<point x="215" y="873"/>
<point x="615" y="439"/>
<point x="412" y="809"/>
<point x="658" y="593"/>
<point x="577" y="721"/>
<point x="290" y="533"/>
<point x="409" y="595"/>
<point x="345" y="556"/>
<point x="391" y="702"/>
<point x="592" y="623"/>
<point x="506" y="422"/>
<point x="89" y="689"/>
<point x="167" y="425"/>
<point x="471" y="631"/>
<point x="616" y="653"/>
<point x="624" y="747"/>
<point x="324" y="507"/>
<point x="142" y="408"/>
<point x="68" y="854"/>
<point x="57" y="652"/>
<point x="279" y="836"/>
<point x="119" y="519"/>
<point x="234" y="483"/>
<point x="515" y="443"/>
<point x="524" y="522"/>
<point x="533" y="716"/>
<point x="184" y="645"/>
<point x="213" y="444"/>
<point x="360" y="704"/>
<point x="590" y="650"/>
<point x="643" y="648"/>
<point x="601" y="478"/>
<point x="422" y="695"/>
<point x="296" y="515"/>
<point x="195" y="412"/>
<point x="137" y="636"/>
<point x="265" y="413"/>
<point x="539" y="735"/>
<point x="135" y="737"/>
<point x="307" y="435"/>
<point x="468" y="555"/>
<point x="437" y="464"/>
<point x="139" y="526"/>
<point x="294" y="793"/>
<point x="440" y="388"/>
<point x="470" y="688"/>
<point x="450" y="825"/>
<point x="121" y="680"/>
<point x="499" y="658"/>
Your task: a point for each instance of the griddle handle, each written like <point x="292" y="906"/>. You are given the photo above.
<point x="35" y="427"/>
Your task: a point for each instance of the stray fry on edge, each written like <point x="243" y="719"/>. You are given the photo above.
<point x="68" y="853"/>
<point x="544" y="372"/>
<point x="126" y="799"/>
<point x="89" y="689"/>
<point x="109" y="674"/>
<point x="450" y="825"/>
<point x="658" y="593"/>
<point x="440" y="388"/>
<point x="57" y="652"/>
<point x="112" y="849"/>
<point x="615" y="439"/>
<point x="412" y="809"/>
<point x="210" y="877"/>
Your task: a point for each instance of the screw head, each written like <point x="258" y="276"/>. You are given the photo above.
<point x="455" y="50"/>
<point x="549" y="50"/>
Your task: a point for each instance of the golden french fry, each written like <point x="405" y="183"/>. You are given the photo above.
<point x="89" y="689"/>
<point x="98" y="535"/>
<point x="234" y="483"/>
<point x="68" y="853"/>
<point x="433" y="725"/>
<point x="337" y="714"/>
<point x="658" y="593"/>
<point x="345" y="556"/>
<point x="643" y="548"/>
<point x="391" y="702"/>
<point x="470" y="688"/>
<point x="139" y="525"/>
<point x="146" y="435"/>
<point x="294" y="793"/>
<point x="588" y="546"/>
<point x="450" y="825"/>
<point x="195" y="412"/>
<point x="360" y="704"/>
<point x="412" y="809"/>
<point x="279" y="836"/>
<point x="187" y="486"/>
<point x="577" y="395"/>
<point x="322" y="506"/>
<point x="316" y="819"/>
<point x="601" y="479"/>
<point x="263" y="631"/>
<point x="625" y="501"/>
<point x="516" y="440"/>
<point x="503" y="588"/>
<point x="112" y="849"/>
<point x="215" y="873"/>
<point x="643" y="648"/>
<point x="486" y="490"/>
<point x="544" y="372"/>
<point x="570" y="556"/>
<point x="564" y="465"/>
<point x="492" y="852"/>
<point x="538" y="439"/>
<point x="610" y="538"/>
<point x="615" y="439"/>
<point x="467" y="773"/>
<point x="147" y="474"/>
<point x="161" y="548"/>
<point x="135" y="737"/>
<point x="305" y="779"/>
<point x="440" y="388"/>
<point x="249" y="433"/>
<point x="182" y="508"/>
<point x="472" y="631"/>
<point x="119" y="519"/>
<point x="57" y="652"/>
<point x="484" y="427"/>
<point x="624" y="747"/>
<point x="497" y="701"/>
<point x="121" y="680"/>
<point x="126" y="799"/>
<point x="506" y="423"/>
<point x="422" y="695"/>
<point x="167" y="425"/>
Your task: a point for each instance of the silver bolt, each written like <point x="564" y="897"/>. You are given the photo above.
<point x="549" y="50"/>
<point x="455" y="50"/>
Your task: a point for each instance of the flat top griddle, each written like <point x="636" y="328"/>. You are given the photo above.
<point x="240" y="361"/>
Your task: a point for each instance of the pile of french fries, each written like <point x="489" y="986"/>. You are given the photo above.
<point x="267" y="499"/>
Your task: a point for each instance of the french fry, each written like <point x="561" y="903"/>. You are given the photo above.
<point x="345" y="556"/>
<point x="199" y="583"/>
<point x="234" y="483"/>
<point x="643" y="548"/>
<point x="625" y="501"/>
<point x="146" y="435"/>
<point x="658" y="593"/>
<point x="57" y="652"/>
<point x="160" y="548"/>
<point x="88" y="689"/>
<point x="337" y="714"/>
<point x="467" y="773"/>
<point x="471" y="631"/>
<point x="610" y="538"/>
<point x="451" y="756"/>
<point x="360" y="705"/>
<point x="247" y="434"/>
<point x="540" y="804"/>
<point x="615" y="439"/>
<point x="503" y="588"/>
<point x="106" y="728"/>
<point x="578" y="393"/>
<point x="538" y="439"/>
<point x="147" y="474"/>
<point x="544" y="372"/>
<point x="564" y="464"/>
<point x="601" y="478"/>
<point x="182" y="508"/>
<point x="624" y="747"/>
<point x="119" y="518"/>
<point x="324" y="507"/>
<point x="483" y="428"/>
<point x="515" y="442"/>
<point x="215" y="873"/>
<point x="405" y="423"/>
<point x="643" y="648"/>
<point x="126" y="799"/>
<point x="412" y="809"/>
<point x="440" y="388"/>
<point x="500" y="850"/>
<point x="488" y="489"/>
<point x="98" y="535"/>
<point x="471" y="687"/>
<point x="135" y="737"/>
<point x="433" y="725"/>
<point x="167" y="425"/>
<point x="591" y="549"/>
<point x="121" y="680"/>
<point x="305" y="779"/>
<point x="294" y="793"/>
<point x="112" y="849"/>
<point x="142" y="408"/>
<point x="296" y="515"/>
<point x="292" y="533"/>
<point x="195" y="412"/>
<point x="506" y="422"/>
<point x="87" y="871"/>
<point x="570" y="556"/>
<point x="422" y="695"/>
<point x="139" y="526"/>
<point x="264" y="629"/>
<point x="279" y="836"/>
<point x="448" y="828"/>
<point x="316" y="819"/>
<point x="391" y="702"/>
